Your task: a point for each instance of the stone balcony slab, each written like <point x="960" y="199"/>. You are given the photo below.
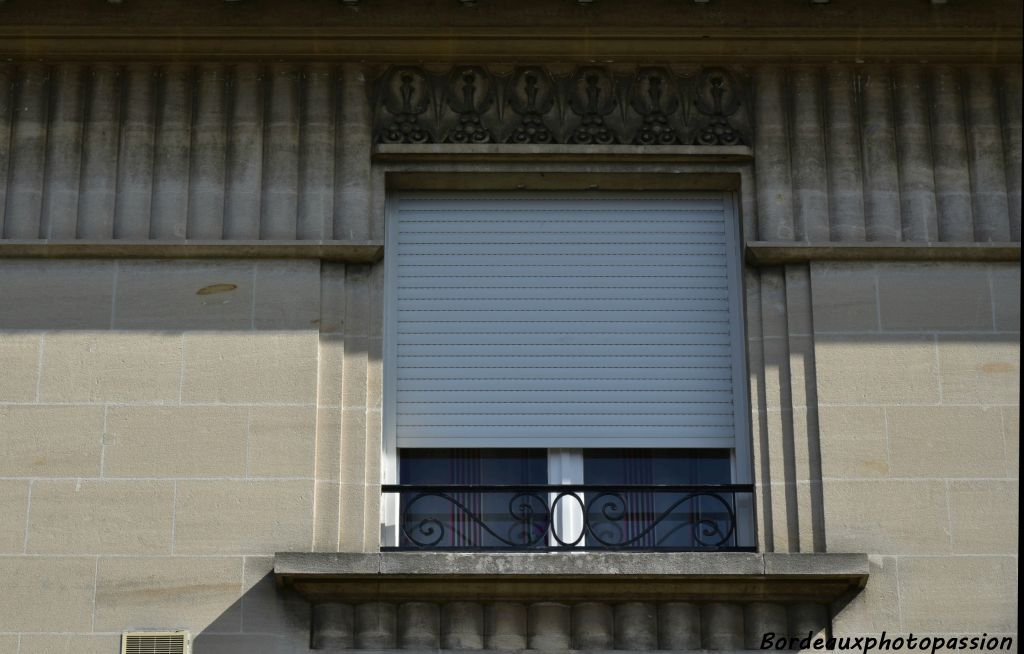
<point x="570" y="576"/>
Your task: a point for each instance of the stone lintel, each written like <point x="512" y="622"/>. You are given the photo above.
<point x="413" y="176"/>
<point x="571" y="577"/>
<point x="444" y="152"/>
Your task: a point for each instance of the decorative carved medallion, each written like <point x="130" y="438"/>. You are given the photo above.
<point x="655" y="97"/>
<point x="406" y="97"/>
<point x="531" y="94"/>
<point x="592" y="98"/>
<point x="718" y="98"/>
<point x="470" y="94"/>
<point x="592" y="105"/>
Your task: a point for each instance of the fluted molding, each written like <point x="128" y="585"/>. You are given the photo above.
<point x="593" y="626"/>
<point x="244" y="151"/>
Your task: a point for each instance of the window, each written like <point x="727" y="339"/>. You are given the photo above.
<point x="598" y="333"/>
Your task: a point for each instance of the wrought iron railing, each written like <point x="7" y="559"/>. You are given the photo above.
<point x="712" y="517"/>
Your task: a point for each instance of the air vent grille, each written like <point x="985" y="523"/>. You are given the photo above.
<point x="155" y="642"/>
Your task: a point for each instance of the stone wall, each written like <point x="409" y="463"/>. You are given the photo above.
<point x="169" y="425"/>
<point x="918" y="402"/>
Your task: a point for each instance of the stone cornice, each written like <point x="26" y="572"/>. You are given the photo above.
<point x="483" y="45"/>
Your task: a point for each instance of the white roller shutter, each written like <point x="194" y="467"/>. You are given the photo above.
<point x="562" y="321"/>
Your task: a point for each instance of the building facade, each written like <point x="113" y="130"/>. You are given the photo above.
<point x="681" y="323"/>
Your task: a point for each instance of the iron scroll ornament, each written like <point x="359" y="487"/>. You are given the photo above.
<point x="607" y="524"/>
<point x="427" y="527"/>
<point x="591" y="105"/>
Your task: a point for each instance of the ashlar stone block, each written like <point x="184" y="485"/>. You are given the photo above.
<point x="194" y="593"/>
<point x="111" y="366"/>
<point x="47" y="594"/>
<point x="51" y="441"/>
<point x="178" y="441"/>
<point x="243" y="516"/>
<point x="886" y="516"/>
<point x="945" y="441"/>
<point x="101" y="517"/>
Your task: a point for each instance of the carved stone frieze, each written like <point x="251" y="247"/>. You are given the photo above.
<point x="591" y="105"/>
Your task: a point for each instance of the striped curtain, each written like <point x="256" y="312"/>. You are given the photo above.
<point x="640" y="510"/>
<point x="466" y="470"/>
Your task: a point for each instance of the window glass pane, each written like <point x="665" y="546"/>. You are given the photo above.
<point x="664" y="518"/>
<point x="656" y="466"/>
<point x="469" y="466"/>
<point x="457" y="519"/>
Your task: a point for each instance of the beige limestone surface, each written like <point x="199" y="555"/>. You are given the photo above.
<point x="166" y="427"/>
<point x="918" y="382"/>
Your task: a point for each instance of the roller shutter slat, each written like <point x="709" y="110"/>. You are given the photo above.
<point x="639" y="394"/>
<point x="604" y="327"/>
<point x="517" y="205"/>
<point x="568" y="373"/>
<point x="543" y="340"/>
<point x="558" y="293"/>
<point x="567" y="350"/>
<point x="543" y="433"/>
<point x="466" y="257"/>
<point x="444" y="268"/>
<point x="465" y="387"/>
<point x="529" y="305"/>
